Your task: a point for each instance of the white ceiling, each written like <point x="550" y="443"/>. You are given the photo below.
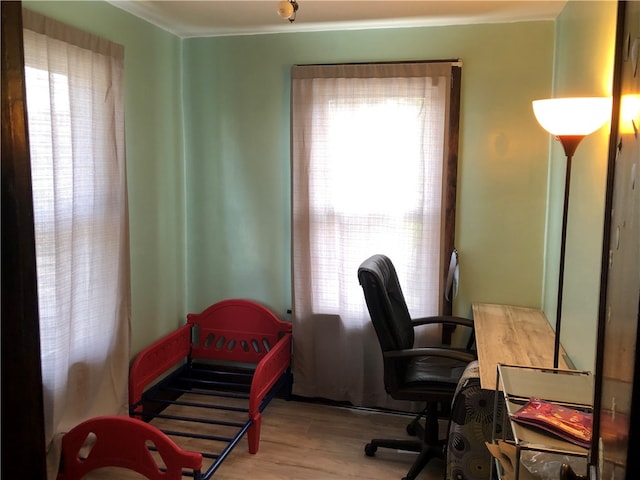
<point x="206" y="18"/>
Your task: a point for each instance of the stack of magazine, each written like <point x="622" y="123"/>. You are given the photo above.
<point x="567" y="423"/>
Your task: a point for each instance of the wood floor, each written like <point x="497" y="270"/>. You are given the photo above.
<point x="308" y="441"/>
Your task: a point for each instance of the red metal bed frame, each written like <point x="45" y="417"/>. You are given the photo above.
<point x="229" y="360"/>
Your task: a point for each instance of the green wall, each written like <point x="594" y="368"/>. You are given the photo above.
<point x="207" y="124"/>
<point x="237" y="137"/>
<point x="155" y="160"/>
<point x="584" y="51"/>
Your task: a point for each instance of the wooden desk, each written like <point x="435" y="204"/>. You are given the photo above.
<point x="514" y="336"/>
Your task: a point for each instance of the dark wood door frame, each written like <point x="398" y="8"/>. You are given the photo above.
<point x="23" y="443"/>
<point x="619" y="453"/>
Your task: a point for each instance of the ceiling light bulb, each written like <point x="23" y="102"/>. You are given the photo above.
<point x="285" y="9"/>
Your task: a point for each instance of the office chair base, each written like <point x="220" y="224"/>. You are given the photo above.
<point x="371" y="448"/>
<point x="415" y="429"/>
<point x="426" y="454"/>
<point x="426" y="444"/>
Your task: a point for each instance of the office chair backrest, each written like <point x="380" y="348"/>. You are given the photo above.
<point x="385" y="302"/>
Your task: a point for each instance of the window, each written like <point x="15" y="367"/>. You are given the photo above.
<point x="373" y="171"/>
<point x="74" y="85"/>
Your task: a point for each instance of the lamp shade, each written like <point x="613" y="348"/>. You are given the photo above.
<point x="572" y="116"/>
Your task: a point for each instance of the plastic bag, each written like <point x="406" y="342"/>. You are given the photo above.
<point x="546" y="466"/>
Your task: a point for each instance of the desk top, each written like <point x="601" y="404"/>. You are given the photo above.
<point x="512" y="335"/>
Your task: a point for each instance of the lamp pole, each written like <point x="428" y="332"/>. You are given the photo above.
<point x="569" y="143"/>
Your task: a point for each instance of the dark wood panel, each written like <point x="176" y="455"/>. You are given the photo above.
<point x="23" y="445"/>
<point x="617" y="397"/>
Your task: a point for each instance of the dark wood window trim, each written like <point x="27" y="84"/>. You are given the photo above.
<point x="450" y="182"/>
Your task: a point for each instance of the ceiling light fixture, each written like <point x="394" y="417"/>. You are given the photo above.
<point x="287" y="9"/>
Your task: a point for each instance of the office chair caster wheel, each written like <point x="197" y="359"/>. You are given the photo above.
<point x="412" y="429"/>
<point x="370" y="449"/>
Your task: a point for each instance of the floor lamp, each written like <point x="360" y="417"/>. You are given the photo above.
<point x="570" y="120"/>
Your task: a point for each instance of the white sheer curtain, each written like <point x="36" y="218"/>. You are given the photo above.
<point x="74" y="84"/>
<point x="368" y="148"/>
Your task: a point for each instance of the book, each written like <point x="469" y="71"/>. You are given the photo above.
<point x="567" y="423"/>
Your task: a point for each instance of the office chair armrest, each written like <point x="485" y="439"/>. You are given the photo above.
<point x="436" y="319"/>
<point x="457" y="354"/>
<point x="450" y="319"/>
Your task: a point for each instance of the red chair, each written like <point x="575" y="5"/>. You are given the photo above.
<point x="120" y="441"/>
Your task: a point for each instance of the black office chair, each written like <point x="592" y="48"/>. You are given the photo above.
<point x="417" y="374"/>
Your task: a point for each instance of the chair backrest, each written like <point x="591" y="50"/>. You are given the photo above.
<point x="385" y="302"/>
<point x="120" y="441"/>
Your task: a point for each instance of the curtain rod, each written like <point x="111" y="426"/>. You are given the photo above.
<point x="456" y="62"/>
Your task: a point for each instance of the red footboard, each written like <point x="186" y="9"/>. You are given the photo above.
<point x="121" y="441"/>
